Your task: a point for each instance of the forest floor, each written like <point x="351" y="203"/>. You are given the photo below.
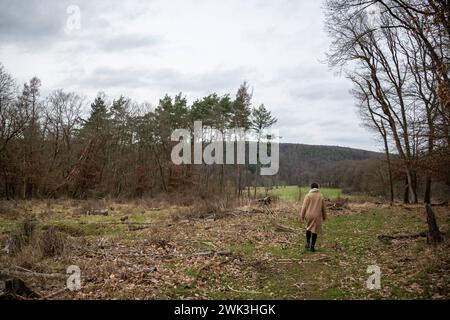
<point x="138" y="251"/>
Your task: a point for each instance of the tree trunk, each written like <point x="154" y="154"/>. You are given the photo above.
<point x="161" y="170"/>
<point x="415" y="198"/>
<point x="222" y="177"/>
<point x="434" y="235"/>
<point x="388" y="159"/>
<point x="406" y="192"/>
<point x="5" y="176"/>
<point x="256" y="178"/>
<point x="410" y="176"/>
<point x="237" y="177"/>
<point x="427" y="198"/>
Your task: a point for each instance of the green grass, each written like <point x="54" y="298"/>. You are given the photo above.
<point x="243" y="248"/>
<point x="292" y="192"/>
<point x="7" y="224"/>
<point x="350" y="242"/>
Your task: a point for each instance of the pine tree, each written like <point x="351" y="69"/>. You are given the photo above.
<point x="241" y="120"/>
<point x="261" y="119"/>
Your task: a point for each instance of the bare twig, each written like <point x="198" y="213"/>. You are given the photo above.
<point x="54" y="294"/>
<point x="208" y="253"/>
<point x="241" y="291"/>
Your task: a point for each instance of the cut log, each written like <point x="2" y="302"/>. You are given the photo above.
<point x="92" y="212"/>
<point x="434" y="235"/>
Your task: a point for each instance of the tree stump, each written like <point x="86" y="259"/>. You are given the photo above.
<point x="265" y="201"/>
<point x="95" y="212"/>
<point x="16" y="289"/>
<point x="434" y="235"/>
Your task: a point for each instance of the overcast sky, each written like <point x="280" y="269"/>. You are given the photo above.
<point x="145" y="49"/>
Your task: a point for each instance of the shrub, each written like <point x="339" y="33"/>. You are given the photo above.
<point x="52" y="242"/>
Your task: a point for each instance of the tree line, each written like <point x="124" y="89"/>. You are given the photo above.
<point x="49" y="148"/>
<point x="396" y="53"/>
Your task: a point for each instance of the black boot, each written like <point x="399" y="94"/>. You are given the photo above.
<point x="308" y="240"/>
<point x="313" y="243"/>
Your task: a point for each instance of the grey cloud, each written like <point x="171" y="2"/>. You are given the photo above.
<point x="314" y="82"/>
<point x="127" y="41"/>
<point x="30" y="21"/>
<point x="332" y="91"/>
<point x="39" y="24"/>
<point x="164" y="78"/>
<point x="299" y="90"/>
<point x="312" y="70"/>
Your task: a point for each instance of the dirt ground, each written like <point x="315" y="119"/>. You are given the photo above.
<point x="139" y="251"/>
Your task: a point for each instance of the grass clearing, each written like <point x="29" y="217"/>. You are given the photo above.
<point x="169" y="259"/>
<point x="292" y="193"/>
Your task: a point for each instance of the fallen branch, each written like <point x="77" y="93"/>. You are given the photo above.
<point x="333" y="208"/>
<point x="388" y="238"/>
<point x="121" y="223"/>
<point x="282" y="228"/>
<point x="323" y="258"/>
<point x="23" y="269"/>
<point x="137" y="227"/>
<point x="208" y="243"/>
<point x="287" y="260"/>
<point x="208" y="253"/>
<point x="54" y="294"/>
<point x="240" y="291"/>
<point x="59" y="276"/>
<point x="441" y="204"/>
<point x="248" y="211"/>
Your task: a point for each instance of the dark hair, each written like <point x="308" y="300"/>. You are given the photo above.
<point x="314" y="185"/>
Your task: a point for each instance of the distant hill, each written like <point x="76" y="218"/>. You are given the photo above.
<point x="301" y="163"/>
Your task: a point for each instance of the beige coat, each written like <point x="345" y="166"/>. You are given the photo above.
<point x="313" y="210"/>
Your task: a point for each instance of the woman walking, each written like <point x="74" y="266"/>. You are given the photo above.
<point x="313" y="210"/>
